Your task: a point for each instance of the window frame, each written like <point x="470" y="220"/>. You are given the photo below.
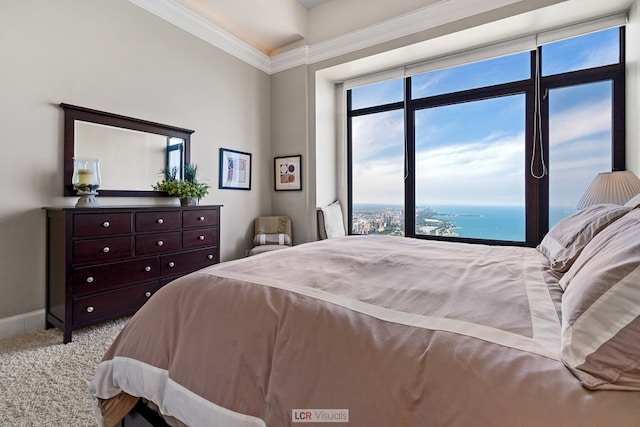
<point x="536" y="190"/>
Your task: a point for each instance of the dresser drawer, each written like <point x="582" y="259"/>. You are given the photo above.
<point x="157" y="221"/>
<point x="89" y="280"/>
<point x="108" y="305"/>
<point x="101" y="224"/>
<point x="200" y="237"/>
<point x="200" y="218"/>
<point x="102" y="250"/>
<point x="149" y="244"/>
<point x="186" y="262"/>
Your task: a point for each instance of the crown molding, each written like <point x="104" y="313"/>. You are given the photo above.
<point x="290" y="59"/>
<point x="434" y="15"/>
<point x="428" y="17"/>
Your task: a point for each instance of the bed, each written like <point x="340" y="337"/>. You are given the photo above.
<point x="391" y="331"/>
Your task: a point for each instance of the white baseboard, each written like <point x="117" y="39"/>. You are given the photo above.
<point x="22" y="324"/>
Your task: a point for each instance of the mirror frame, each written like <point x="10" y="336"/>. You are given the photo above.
<point x="73" y="113"/>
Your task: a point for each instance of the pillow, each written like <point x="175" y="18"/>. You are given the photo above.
<point x="271" y="239"/>
<point x="330" y="222"/>
<point x="601" y="309"/>
<point x="634" y="202"/>
<point x="564" y="242"/>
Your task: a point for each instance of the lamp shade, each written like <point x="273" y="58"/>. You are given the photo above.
<point x="611" y="187"/>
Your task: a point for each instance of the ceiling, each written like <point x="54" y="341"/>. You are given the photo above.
<point x="275" y="35"/>
<point x="264" y="25"/>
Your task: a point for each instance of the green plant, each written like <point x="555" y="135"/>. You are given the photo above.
<point x="181" y="188"/>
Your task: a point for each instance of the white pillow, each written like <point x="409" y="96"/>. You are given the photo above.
<point x="331" y="222"/>
<point x="634" y="202"/>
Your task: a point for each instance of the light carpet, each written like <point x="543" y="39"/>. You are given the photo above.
<point x="46" y="383"/>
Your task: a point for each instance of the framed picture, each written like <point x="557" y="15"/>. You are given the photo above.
<point x="235" y="169"/>
<point x="288" y="173"/>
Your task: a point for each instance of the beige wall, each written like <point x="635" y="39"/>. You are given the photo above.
<point x="116" y="57"/>
<point x="289" y="121"/>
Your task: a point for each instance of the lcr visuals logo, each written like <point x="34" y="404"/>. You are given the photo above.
<point x="320" y="415"/>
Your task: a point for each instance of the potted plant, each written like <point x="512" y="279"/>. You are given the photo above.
<point x="188" y="190"/>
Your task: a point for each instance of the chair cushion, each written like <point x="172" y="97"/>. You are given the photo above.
<point x="266" y="248"/>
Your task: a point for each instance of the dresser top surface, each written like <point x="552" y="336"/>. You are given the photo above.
<point x="128" y="208"/>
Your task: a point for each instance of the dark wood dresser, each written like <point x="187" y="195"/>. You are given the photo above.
<point x="105" y="262"/>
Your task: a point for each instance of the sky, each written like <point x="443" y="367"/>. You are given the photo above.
<point x="481" y="162"/>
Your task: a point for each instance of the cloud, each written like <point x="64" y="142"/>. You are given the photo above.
<point x="579" y="122"/>
<point x="489" y="170"/>
<point x="603" y="55"/>
<point x="493" y="155"/>
<point x="378" y="136"/>
<point x="379" y="181"/>
<point x="421" y="84"/>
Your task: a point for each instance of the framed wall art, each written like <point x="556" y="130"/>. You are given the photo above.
<point x="235" y="169"/>
<point x="288" y="173"/>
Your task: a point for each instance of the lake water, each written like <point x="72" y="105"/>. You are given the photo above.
<point x="494" y="222"/>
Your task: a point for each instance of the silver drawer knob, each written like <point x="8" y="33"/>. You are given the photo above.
<point x="106" y="249"/>
<point x="210" y="256"/>
<point x="172" y="264"/>
<point x="90" y="279"/>
<point x="147" y="268"/>
<point x="160" y="221"/>
<point x="200" y="218"/>
<point x="147" y="294"/>
<point x="160" y="243"/>
<point x="200" y="237"/>
<point x="106" y="224"/>
<point x="90" y="309"/>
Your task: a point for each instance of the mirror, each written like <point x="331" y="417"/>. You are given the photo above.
<point x="132" y="152"/>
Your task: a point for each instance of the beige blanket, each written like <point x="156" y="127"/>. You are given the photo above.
<point x="391" y="331"/>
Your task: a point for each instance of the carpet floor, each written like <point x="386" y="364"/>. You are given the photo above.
<point x="46" y="383"/>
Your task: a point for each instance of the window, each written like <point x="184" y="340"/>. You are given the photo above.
<point x="464" y="157"/>
<point x="468" y="173"/>
<point x="377" y="173"/>
<point x="580" y="129"/>
<point x="470" y="76"/>
<point x="381" y="93"/>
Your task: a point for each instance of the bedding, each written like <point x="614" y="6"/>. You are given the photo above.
<point x="601" y="306"/>
<point x="564" y="242"/>
<point x="388" y="331"/>
<point x="634" y="202"/>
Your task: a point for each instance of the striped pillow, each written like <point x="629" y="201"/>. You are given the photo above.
<point x="271" y="239"/>
<point x="564" y="242"/>
<point x="601" y="309"/>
